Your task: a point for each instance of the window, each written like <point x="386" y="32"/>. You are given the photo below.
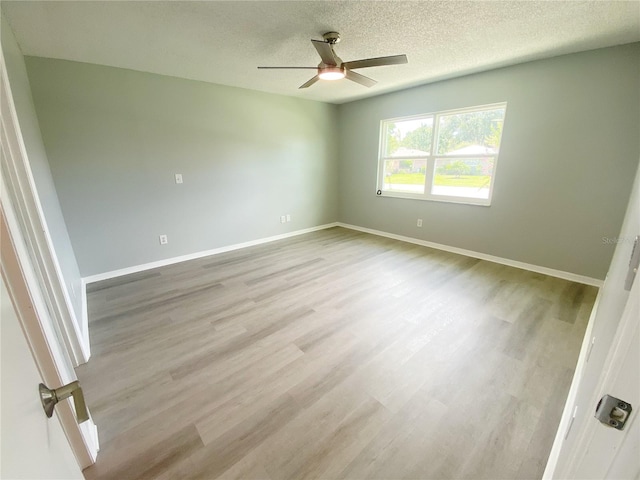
<point x="447" y="156"/>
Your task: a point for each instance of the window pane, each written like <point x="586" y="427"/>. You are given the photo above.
<point x="404" y="175"/>
<point x="408" y="138"/>
<point x="472" y="133"/>
<point x="463" y="177"/>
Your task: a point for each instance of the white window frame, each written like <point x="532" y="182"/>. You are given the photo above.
<point x="434" y="156"/>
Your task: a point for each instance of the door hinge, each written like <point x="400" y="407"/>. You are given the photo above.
<point x="634" y="262"/>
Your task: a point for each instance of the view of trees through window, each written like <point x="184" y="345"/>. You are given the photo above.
<point x="457" y="150"/>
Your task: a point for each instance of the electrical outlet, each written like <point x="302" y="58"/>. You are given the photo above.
<point x="283" y="219"/>
<point x="419" y="224"/>
<point x="178" y="178"/>
<point x="288" y="217"/>
<point x="163" y="240"/>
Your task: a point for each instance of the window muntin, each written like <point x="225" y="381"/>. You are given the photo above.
<point x="446" y="156"/>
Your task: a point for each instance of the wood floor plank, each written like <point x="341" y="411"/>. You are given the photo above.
<point x="304" y="441"/>
<point x="149" y="462"/>
<point x="334" y="354"/>
<point x="224" y="452"/>
<point x="398" y="444"/>
<point x="337" y="449"/>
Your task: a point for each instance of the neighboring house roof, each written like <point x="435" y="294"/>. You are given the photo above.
<point x="409" y="152"/>
<point x="468" y="150"/>
<point x="473" y="150"/>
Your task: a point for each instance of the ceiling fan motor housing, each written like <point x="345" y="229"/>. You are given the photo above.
<point x="331" y="37"/>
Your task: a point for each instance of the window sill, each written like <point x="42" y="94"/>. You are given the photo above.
<point x="478" y="202"/>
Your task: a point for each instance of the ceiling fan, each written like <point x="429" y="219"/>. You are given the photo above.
<point x="333" y="68"/>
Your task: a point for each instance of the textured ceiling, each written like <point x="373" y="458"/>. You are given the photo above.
<point x="224" y="42"/>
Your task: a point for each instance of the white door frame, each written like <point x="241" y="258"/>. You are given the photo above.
<point x="49" y="356"/>
<point x="20" y="189"/>
<point x="33" y="279"/>
<point x="606" y="322"/>
<point x="624" y="341"/>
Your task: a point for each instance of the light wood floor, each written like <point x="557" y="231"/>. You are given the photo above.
<point x="331" y="355"/>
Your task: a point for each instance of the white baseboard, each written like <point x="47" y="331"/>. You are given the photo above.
<point x="192" y="256"/>
<point x="482" y="256"/>
<point x="461" y="251"/>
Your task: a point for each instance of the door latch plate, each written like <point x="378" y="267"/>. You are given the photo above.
<point x="613" y="412"/>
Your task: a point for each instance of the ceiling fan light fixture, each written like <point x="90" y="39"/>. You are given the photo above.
<point x="331" y="73"/>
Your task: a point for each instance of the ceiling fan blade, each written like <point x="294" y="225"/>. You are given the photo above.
<point x="285" y="68"/>
<point x="361" y="79"/>
<point x="325" y="51"/>
<point x="309" y="82"/>
<point x="376" y="62"/>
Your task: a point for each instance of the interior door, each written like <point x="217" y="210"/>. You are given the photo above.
<point x="26" y="286"/>
<point x="609" y="452"/>
<point x="31" y="445"/>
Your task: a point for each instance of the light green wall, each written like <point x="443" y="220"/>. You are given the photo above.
<point x="115" y="138"/>
<point x="21" y="92"/>
<point x="567" y="161"/>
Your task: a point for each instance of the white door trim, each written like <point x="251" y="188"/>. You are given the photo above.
<point x="33" y="277"/>
<point x="570" y="409"/>
<point x="622" y="343"/>
<point x="50" y="357"/>
<point x="21" y="191"/>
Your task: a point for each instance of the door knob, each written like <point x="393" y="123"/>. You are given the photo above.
<point x="50" y="397"/>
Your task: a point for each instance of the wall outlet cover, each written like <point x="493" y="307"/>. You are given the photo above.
<point x="163" y="240"/>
